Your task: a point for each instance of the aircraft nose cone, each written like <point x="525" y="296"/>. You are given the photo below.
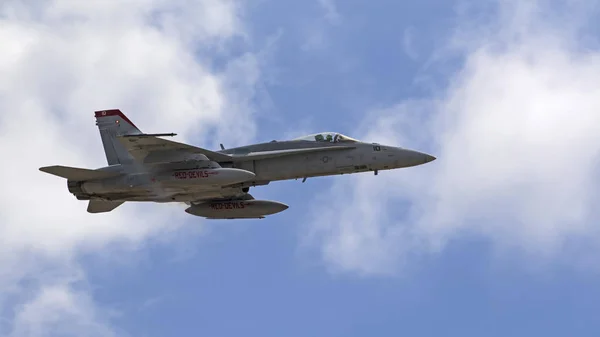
<point x="413" y="158"/>
<point x="429" y="158"/>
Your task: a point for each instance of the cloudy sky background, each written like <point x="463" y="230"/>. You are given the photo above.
<point x="497" y="237"/>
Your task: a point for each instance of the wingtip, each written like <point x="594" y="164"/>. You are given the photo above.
<point x="46" y="169"/>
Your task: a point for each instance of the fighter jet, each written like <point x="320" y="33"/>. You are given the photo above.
<point x="215" y="184"/>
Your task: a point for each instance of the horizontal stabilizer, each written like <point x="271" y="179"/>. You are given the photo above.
<point x="102" y="206"/>
<point x="77" y="174"/>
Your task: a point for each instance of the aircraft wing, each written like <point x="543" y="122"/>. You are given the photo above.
<point x="141" y="146"/>
<point x="281" y="153"/>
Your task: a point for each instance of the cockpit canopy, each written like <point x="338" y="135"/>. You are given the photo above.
<point x="328" y="137"/>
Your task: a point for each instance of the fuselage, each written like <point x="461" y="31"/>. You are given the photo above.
<point x="361" y="157"/>
<point x="215" y="184"/>
<point x="143" y="183"/>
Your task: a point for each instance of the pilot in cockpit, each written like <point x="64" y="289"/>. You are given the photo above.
<point x="329" y="137"/>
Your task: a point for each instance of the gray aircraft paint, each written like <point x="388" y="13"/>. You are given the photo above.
<point x="363" y="157"/>
<point x="111" y="126"/>
<point x="144" y="167"/>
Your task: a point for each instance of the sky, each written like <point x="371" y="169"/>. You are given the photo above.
<point x="497" y="237"/>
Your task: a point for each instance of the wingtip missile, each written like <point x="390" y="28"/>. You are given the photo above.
<point x="151" y="135"/>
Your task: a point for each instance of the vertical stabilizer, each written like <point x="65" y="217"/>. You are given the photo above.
<point x="113" y="123"/>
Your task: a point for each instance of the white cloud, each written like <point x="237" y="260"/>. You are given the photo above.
<point x="317" y="32"/>
<point x="331" y="13"/>
<point x="60" y="61"/>
<point x="408" y="43"/>
<point x="315" y="38"/>
<point x="516" y="136"/>
<point x="58" y="310"/>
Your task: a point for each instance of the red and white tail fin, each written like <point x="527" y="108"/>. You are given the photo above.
<point x="113" y="123"/>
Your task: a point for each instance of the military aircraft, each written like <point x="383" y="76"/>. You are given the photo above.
<point x="215" y="184"/>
